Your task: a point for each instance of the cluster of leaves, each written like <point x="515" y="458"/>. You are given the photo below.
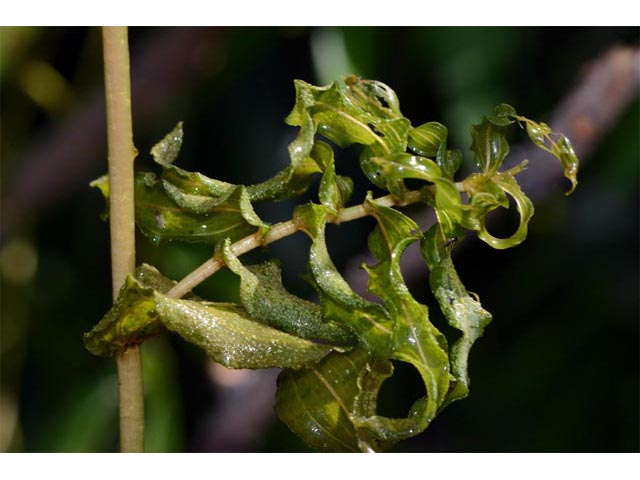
<point x="335" y="355"/>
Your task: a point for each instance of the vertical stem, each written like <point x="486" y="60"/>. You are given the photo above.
<point x="122" y="223"/>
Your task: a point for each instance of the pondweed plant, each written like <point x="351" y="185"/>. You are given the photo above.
<point x="335" y="355"/>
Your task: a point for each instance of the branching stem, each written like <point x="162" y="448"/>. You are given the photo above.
<point x="277" y="232"/>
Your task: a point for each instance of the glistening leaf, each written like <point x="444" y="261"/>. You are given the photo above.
<point x="353" y="111"/>
<point x="339" y="302"/>
<point x="542" y="136"/>
<point x="335" y="190"/>
<point x="323" y="403"/>
<point x="166" y="151"/>
<point x="224" y="331"/>
<point x="264" y="297"/>
<point x="346" y="414"/>
<point x="415" y="339"/>
<point x="426" y="139"/>
<point x="489" y="146"/>
<point x="461" y="310"/>
<point x="388" y="171"/>
<point x="525" y="209"/>
<point x="164" y="213"/>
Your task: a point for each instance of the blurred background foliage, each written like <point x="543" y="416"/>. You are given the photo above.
<point x="556" y="371"/>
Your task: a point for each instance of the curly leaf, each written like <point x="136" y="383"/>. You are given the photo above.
<point x="264" y="297"/>
<point x="318" y="402"/>
<point x="289" y="182"/>
<point x="334" y="116"/>
<point x="503" y="115"/>
<point x="489" y="146"/>
<point x="427" y="139"/>
<point x="353" y="111"/>
<point x="415" y="339"/>
<point x="164" y="214"/>
<point x="132" y="319"/>
<point x="430" y="140"/>
<point x="165" y="153"/>
<point x="542" y="136"/>
<point x="389" y="170"/>
<point x="460" y="309"/>
<point x="399" y="331"/>
<point x="339" y="302"/>
<point x="335" y="190"/>
<point x="295" y="179"/>
<point x="525" y="209"/>
<point x="449" y="161"/>
<point x="225" y="332"/>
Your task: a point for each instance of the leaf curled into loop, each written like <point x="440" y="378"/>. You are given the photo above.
<point x="335" y="356"/>
<point x="525" y="209"/>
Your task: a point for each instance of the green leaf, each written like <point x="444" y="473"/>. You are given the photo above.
<point x="224" y="331"/>
<point x="235" y="340"/>
<point x="353" y="111"/>
<point x="164" y="212"/>
<point x="264" y="297"/>
<point x="102" y="184"/>
<point x="489" y="145"/>
<point x="569" y="160"/>
<point x="525" y="209"/>
<point x="460" y="309"/>
<point x="318" y="402"/>
<point x="430" y="140"/>
<point x="131" y="319"/>
<point x="332" y="113"/>
<point x="335" y="190"/>
<point x="543" y="137"/>
<point x="171" y="214"/>
<point x="415" y="339"/>
<point x="166" y="150"/>
<point x="427" y="139"/>
<point x="503" y="115"/>
<point x="387" y="172"/>
<point x="165" y="153"/>
<point x="289" y="182"/>
<point x="339" y="302"/>
<point x="333" y="405"/>
<point x="449" y="162"/>
<point x="295" y="179"/>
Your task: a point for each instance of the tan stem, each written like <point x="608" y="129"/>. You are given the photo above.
<point x="122" y="222"/>
<point x="277" y="232"/>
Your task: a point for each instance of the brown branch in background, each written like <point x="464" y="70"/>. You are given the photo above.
<point x="608" y="85"/>
<point x="165" y="65"/>
<point x="242" y="413"/>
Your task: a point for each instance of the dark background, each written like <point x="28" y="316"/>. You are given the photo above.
<point x="557" y="370"/>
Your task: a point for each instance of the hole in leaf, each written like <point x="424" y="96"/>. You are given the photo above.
<point x="383" y="101"/>
<point x="398" y="393"/>
<point x="375" y="130"/>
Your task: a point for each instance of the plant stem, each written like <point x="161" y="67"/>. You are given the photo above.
<point x="122" y="223"/>
<point x="277" y="232"/>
